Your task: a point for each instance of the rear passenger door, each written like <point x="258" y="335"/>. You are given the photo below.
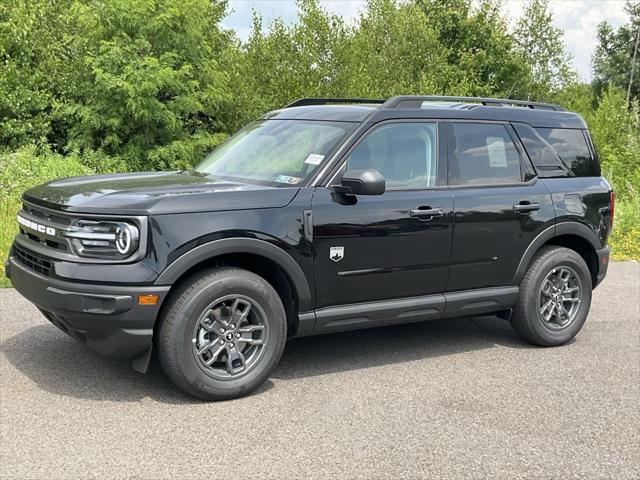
<point x="499" y="206"/>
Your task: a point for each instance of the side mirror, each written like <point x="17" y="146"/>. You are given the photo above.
<point x="363" y="182"/>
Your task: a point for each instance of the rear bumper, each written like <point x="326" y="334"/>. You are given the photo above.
<point x="603" y="264"/>
<point x="106" y="318"/>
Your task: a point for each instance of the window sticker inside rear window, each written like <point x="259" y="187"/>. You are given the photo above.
<point x="287" y="179"/>
<point x="497" y="152"/>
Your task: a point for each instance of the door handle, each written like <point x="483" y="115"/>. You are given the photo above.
<point x="426" y="212"/>
<point x="525" y="207"/>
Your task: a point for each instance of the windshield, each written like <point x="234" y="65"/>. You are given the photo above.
<point x="279" y="153"/>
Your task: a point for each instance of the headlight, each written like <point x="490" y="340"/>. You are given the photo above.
<point x="104" y="239"/>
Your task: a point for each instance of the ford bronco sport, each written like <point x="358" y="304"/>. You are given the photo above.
<point x="324" y="216"/>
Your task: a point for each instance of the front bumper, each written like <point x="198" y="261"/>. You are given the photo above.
<point x="108" y="319"/>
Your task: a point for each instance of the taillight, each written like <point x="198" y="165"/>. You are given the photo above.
<point x="612" y="202"/>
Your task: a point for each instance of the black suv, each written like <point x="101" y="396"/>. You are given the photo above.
<point x="324" y="216"/>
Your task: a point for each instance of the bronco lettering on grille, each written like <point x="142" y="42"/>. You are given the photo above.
<point x="36" y="226"/>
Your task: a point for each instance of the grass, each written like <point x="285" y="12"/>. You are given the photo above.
<point x="8" y="228"/>
<point x="625" y="239"/>
<point x="624" y="242"/>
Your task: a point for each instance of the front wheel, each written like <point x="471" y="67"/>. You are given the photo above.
<point x="222" y="334"/>
<point x="555" y="297"/>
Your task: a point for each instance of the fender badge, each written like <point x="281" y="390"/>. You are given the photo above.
<point x="336" y="253"/>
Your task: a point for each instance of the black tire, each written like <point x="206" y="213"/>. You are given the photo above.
<point x="183" y="322"/>
<point x="527" y="319"/>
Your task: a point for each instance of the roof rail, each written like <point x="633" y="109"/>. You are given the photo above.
<point x="415" y="101"/>
<point x="326" y="101"/>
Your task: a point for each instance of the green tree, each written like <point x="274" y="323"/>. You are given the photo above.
<point x="394" y="47"/>
<point x="478" y="46"/>
<point x="34" y="75"/>
<point x="149" y="85"/>
<point x="540" y="44"/>
<point x="575" y="97"/>
<point x="616" y="134"/>
<point x="287" y="62"/>
<point x="392" y="50"/>
<point x="612" y="60"/>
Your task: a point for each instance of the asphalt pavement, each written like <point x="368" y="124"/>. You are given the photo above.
<point x="444" y="399"/>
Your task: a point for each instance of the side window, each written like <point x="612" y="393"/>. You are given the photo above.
<point x="405" y="154"/>
<point x="543" y="156"/>
<point x="482" y="154"/>
<point x="571" y="146"/>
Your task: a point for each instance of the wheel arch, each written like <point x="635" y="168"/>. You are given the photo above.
<point x="258" y="256"/>
<point x="572" y="235"/>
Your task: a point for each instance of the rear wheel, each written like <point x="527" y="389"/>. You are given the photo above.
<point x="222" y="334"/>
<point x="555" y="297"/>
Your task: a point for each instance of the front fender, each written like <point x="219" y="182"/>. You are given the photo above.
<point x="253" y="246"/>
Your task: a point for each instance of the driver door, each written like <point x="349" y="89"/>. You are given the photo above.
<point x="379" y="248"/>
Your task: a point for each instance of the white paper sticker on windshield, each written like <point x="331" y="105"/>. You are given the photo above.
<point x="287" y="179"/>
<point x="314" y="159"/>
<point x="497" y="152"/>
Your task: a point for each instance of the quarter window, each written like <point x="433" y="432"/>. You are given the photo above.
<point x="404" y="153"/>
<point x="571" y="147"/>
<point x="482" y="154"/>
<point x="543" y="156"/>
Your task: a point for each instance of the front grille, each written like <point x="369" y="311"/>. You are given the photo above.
<point x="48" y="218"/>
<point x="44" y="214"/>
<point x="32" y="260"/>
<point x="55" y="244"/>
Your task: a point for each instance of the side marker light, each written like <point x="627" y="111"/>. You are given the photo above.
<point x="149" y="299"/>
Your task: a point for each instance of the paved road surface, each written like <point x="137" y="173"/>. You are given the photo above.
<point x="444" y="399"/>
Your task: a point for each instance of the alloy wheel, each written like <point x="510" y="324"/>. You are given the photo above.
<point x="229" y="337"/>
<point x="560" y="297"/>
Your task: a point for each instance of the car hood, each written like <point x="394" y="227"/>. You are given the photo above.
<point x="152" y="193"/>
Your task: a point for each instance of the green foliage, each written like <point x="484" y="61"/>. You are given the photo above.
<point x="625" y="238"/>
<point x="435" y="46"/>
<point x="616" y="133"/>
<point x="149" y="82"/>
<point x="540" y="44"/>
<point x="575" y="97"/>
<point x="155" y="84"/>
<point x="30" y="166"/>
<point x="34" y="74"/>
<point x="288" y="62"/>
<point x="393" y="51"/>
<point x="614" y="54"/>
<point x="478" y="47"/>
<point x="135" y="79"/>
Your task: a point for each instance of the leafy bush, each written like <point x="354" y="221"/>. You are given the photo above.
<point x="35" y="69"/>
<point x="149" y="79"/>
<point x="30" y="166"/>
<point x="616" y="133"/>
<point x="137" y="79"/>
